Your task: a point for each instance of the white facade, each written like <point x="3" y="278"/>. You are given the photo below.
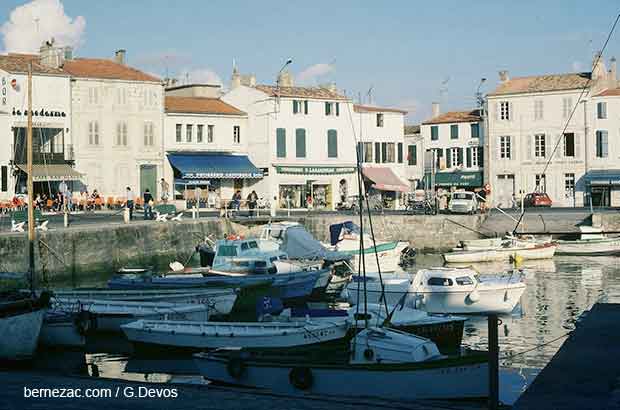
<point x="414" y="158"/>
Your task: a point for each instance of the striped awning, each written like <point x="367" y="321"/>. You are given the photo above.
<point x="52" y="172"/>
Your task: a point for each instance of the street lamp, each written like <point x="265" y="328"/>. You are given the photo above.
<point x="479" y="94"/>
<point x="288" y="61"/>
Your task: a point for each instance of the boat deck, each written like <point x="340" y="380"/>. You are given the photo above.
<point x="584" y="373"/>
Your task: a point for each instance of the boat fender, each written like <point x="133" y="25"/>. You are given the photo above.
<point x="301" y="378"/>
<point x="235" y="368"/>
<point x="474" y="296"/>
<point x="369" y="354"/>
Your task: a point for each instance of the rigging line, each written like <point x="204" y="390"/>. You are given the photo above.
<point x="583" y="91"/>
<point x="511" y="355"/>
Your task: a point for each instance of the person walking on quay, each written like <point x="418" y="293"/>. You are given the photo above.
<point x="236" y="201"/>
<point x="129" y="202"/>
<point x="148" y="205"/>
<point x="164" y="187"/>
<point x="252" y="199"/>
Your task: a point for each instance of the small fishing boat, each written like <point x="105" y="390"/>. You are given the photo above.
<point x="507" y="251"/>
<point x="476" y="244"/>
<point x="109" y="315"/>
<point x="197" y="336"/>
<point x="345" y="238"/>
<point x="591" y="242"/>
<point x="393" y="288"/>
<point x="64" y="329"/>
<point x="459" y="291"/>
<point x="378" y="363"/>
<point x="21" y="318"/>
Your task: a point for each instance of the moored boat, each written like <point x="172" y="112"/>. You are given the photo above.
<point x="507" y="252"/>
<point x="392" y="289"/>
<point x="20" y="325"/>
<point x="591" y="242"/>
<point x="64" y="329"/>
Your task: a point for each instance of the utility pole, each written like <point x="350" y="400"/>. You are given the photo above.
<point x="29" y="187"/>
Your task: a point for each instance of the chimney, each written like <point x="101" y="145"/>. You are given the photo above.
<point x="235" y="79"/>
<point x="252" y="80"/>
<point x="119" y="56"/>
<point x="435" y="106"/>
<point x="503" y="76"/>
<point x="332" y="87"/>
<point x="68" y="53"/>
<point x="613" y="74"/>
<point x="285" y="79"/>
<point x="50" y="56"/>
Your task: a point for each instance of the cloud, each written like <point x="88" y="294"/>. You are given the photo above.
<point x="40" y="20"/>
<point x="199" y="75"/>
<point x="163" y="60"/>
<point x="314" y="71"/>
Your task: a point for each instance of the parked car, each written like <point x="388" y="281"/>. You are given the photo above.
<point x="463" y="202"/>
<point x="536" y="199"/>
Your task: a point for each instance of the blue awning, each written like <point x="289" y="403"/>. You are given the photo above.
<point x="603" y="177"/>
<point x="204" y="165"/>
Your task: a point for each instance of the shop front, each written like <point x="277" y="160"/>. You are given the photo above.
<point x="602" y="187"/>
<point x="384" y="185"/>
<point x="210" y="179"/>
<point x="313" y="187"/>
<point x="469" y="180"/>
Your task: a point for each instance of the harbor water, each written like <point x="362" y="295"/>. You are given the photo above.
<point x="558" y="292"/>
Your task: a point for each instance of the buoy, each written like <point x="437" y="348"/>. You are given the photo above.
<point x="474" y="296"/>
<point x="517" y="259"/>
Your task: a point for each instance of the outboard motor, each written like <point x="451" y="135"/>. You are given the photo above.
<point x="207" y="255"/>
<point x="407" y="256"/>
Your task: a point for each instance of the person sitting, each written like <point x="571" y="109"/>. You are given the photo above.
<point x="236" y="201"/>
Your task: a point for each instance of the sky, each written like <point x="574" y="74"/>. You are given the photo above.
<point x="404" y="54"/>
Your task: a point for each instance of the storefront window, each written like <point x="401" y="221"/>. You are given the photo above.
<point x="321" y="196"/>
<point x="292" y="196"/>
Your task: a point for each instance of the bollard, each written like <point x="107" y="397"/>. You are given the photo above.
<point x="126" y="215"/>
<point x="493" y="323"/>
<point x="66" y="219"/>
<point x="193" y="213"/>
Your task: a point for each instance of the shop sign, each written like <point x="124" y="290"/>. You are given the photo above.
<point x="313" y="170"/>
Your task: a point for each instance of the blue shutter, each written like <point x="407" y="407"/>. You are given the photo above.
<point x="377" y="152"/>
<point x="468" y="163"/>
<point x="454" y="131"/>
<point x="305" y="106"/>
<point x="434" y="133"/>
<point x="459" y="156"/>
<point x="475" y="130"/>
<point x="337" y="109"/>
<point x="332" y="144"/>
<point x="400" y="152"/>
<point x="448" y="158"/>
<point x="281" y="142"/>
<point x="383" y="152"/>
<point x="360" y="151"/>
<point x="295" y="107"/>
<point x="480" y="157"/>
<point x="327" y="108"/>
<point x="300" y="143"/>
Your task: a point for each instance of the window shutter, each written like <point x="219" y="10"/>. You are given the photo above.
<point x="337" y="109"/>
<point x="295" y="107"/>
<point x="332" y="144"/>
<point x="306" y="107"/>
<point x="459" y="156"/>
<point x="448" y="158"/>
<point x="383" y="152"/>
<point x="528" y="147"/>
<point x="281" y="143"/>
<point x="400" y="152"/>
<point x="480" y="157"/>
<point x="327" y="108"/>
<point x="377" y="152"/>
<point x="511" y="111"/>
<point x="468" y="163"/>
<point x="360" y="151"/>
<point x="577" y="146"/>
<point x="604" y="144"/>
<point x="300" y="143"/>
<point x="496" y="108"/>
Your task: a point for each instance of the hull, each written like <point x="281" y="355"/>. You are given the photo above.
<point x="395" y="288"/>
<point x="501" y="300"/>
<point x="61" y="332"/>
<point x="493" y="255"/>
<point x="388" y="252"/>
<point x="606" y="246"/>
<point x="20" y="335"/>
<point x="440" y="379"/>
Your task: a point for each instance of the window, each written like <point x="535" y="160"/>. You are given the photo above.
<point x="567" y="106"/>
<point x="378" y="152"/>
<point x="4" y="178"/>
<point x="412" y="155"/>
<point x="281" y="143"/>
<point x="454" y="157"/>
<point x="332" y="108"/>
<point x="93" y="133"/>
<point x="540" y="148"/>
<point x="236" y="134"/>
<point x="454" y="131"/>
<point x="179" y="133"/>
<point x="569" y="185"/>
<point x="58" y="142"/>
<point x="227" y="250"/>
<point x="439" y="282"/>
<point x="569" y="144"/>
<point x="504" y="110"/>
<point x="380" y="120"/>
<point x="199" y="132"/>
<point x="332" y="144"/>
<point x="541" y="184"/>
<point x="475" y="130"/>
<point x="210" y="133"/>
<point x="121" y="96"/>
<point x="300" y="143"/>
<point x="434" y="132"/>
<point x="464" y="280"/>
<point x="149" y="138"/>
<point x="504" y="147"/>
<point x="538" y="109"/>
<point x="367" y="152"/>
<point x="473" y="155"/>
<point x="390" y="148"/>
<point x="300" y="106"/>
<point x="121" y="133"/>
<point x="399" y="152"/>
<point x="601" y="110"/>
<point x="601" y="144"/>
<point x="189" y="128"/>
<point x="438" y="154"/>
<point x="93" y="96"/>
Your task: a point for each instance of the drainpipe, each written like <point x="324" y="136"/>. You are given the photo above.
<point x="586" y="131"/>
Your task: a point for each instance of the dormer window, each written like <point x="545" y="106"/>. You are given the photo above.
<point x="300" y="107"/>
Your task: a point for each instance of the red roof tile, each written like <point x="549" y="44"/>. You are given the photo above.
<point x="455" y="116"/>
<point x="200" y="105"/>
<point x="542" y="83"/>
<point x="18" y="63"/>
<point x="105" y="69"/>
<point x="610" y="92"/>
<point x="301" y="92"/>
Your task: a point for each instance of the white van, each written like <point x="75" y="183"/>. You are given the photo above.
<point x="463" y="202"/>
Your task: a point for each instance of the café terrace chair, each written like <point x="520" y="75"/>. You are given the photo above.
<point x="159" y="217"/>
<point x="17" y="226"/>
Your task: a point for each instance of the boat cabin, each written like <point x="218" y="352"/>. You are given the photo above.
<point x="245" y="255"/>
<point x="441" y="277"/>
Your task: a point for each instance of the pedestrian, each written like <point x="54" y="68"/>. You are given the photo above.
<point x="148" y="205"/>
<point x="252" y="199"/>
<point x="197" y="195"/>
<point x="309" y="202"/>
<point x="129" y="202"/>
<point x="483" y="200"/>
<point x="236" y="200"/>
<point x="164" y="187"/>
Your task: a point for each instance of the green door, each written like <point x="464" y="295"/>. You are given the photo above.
<point x="148" y="179"/>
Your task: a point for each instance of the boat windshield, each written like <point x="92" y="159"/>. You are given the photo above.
<point x="227" y="250"/>
<point x="439" y="282"/>
<point x="464" y="280"/>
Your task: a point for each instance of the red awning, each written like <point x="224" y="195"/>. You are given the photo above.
<point x="385" y="179"/>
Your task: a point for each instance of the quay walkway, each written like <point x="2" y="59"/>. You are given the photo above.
<point x="585" y="373"/>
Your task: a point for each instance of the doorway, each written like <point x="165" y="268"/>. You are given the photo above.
<point x="148" y="179"/>
<point x="601" y="196"/>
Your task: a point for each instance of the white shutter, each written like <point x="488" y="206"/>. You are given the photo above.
<point x="528" y="147"/>
<point x="577" y="146"/>
<point x="511" y="111"/>
<point x="499" y="148"/>
<point x="559" y="153"/>
<point x="496" y="108"/>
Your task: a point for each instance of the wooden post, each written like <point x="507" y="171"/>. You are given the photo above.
<point x="493" y="324"/>
<point x="29" y="187"/>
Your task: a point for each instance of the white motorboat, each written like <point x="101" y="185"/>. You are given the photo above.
<point x="520" y="241"/>
<point x="447" y="290"/>
<point x="109" y="315"/>
<point x="20" y="326"/>
<point x="214" y="335"/>
<point x="221" y="300"/>
<point x="485" y="243"/>
<point x="592" y="242"/>
<point x="394" y="287"/>
<point x="380" y="363"/>
<point x="505" y="252"/>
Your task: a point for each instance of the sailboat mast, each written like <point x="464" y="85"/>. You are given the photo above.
<point x="30" y="190"/>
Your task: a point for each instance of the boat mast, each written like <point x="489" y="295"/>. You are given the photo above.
<point x="29" y="187"/>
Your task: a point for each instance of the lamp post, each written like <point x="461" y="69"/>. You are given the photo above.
<point x="288" y="61"/>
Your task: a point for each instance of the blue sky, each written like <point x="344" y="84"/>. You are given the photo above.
<point x="411" y="53"/>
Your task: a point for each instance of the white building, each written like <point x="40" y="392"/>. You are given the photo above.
<point x="532" y="145"/>
<point x="51" y="116"/>
<point x="117" y="117"/>
<point x="414" y="148"/>
<point x="206" y="145"/>
<point x="454" y="141"/>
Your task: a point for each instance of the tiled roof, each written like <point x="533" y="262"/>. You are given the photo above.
<point x="610" y="92"/>
<point x="542" y="83"/>
<point x="18" y="63"/>
<point x="455" y="116"/>
<point x="368" y="108"/>
<point x="301" y="92"/>
<point x="200" y="105"/>
<point x="412" y="129"/>
<point x="105" y="69"/>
